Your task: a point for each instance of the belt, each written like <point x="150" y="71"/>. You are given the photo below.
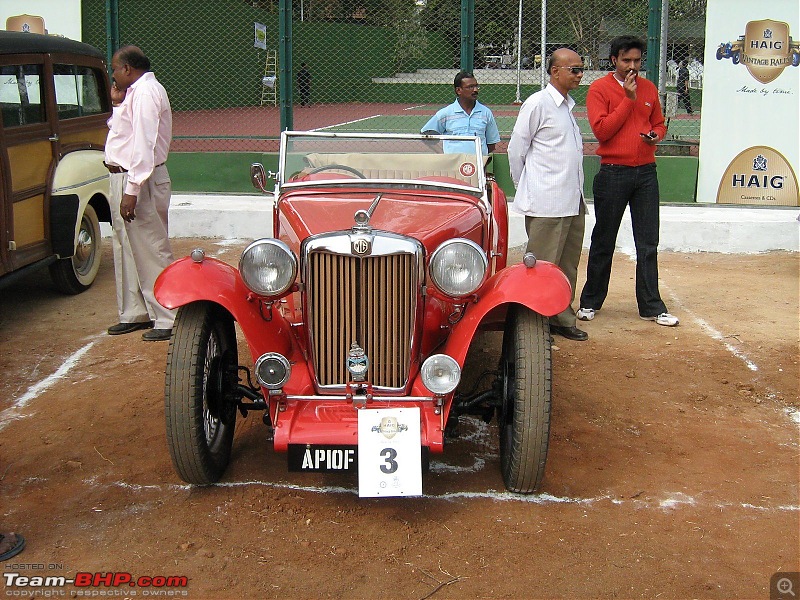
<point x="117" y="169"/>
<point x="616" y="166"/>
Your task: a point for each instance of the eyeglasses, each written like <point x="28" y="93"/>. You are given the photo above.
<point x="474" y="86"/>
<point x="573" y="70"/>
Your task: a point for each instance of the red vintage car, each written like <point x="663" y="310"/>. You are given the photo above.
<point x="388" y="254"/>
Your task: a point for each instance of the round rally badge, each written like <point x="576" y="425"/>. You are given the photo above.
<point x="467" y="169"/>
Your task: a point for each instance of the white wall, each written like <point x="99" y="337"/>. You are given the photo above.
<point x="61" y="17"/>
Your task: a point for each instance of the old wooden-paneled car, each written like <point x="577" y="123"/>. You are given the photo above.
<point x="54" y="98"/>
<point x="388" y="254"/>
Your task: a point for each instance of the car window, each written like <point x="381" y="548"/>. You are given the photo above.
<point x="77" y="91"/>
<point x="21" y="95"/>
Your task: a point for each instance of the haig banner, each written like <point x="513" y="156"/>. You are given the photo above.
<point x="750" y="130"/>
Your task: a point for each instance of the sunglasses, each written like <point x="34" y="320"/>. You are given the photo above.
<point x="573" y="70"/>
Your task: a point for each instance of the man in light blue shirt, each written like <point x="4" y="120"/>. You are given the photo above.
<point x="465" y="116"/>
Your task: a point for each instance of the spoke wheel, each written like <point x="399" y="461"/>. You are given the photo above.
<point x="200" y="392"/>
<point x="524" y="419"/>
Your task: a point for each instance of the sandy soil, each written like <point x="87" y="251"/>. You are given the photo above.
<point x="672" y="471"/>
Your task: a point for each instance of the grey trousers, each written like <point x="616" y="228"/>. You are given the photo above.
<point x="141" y="248"/>
<point x="559" y="240"/>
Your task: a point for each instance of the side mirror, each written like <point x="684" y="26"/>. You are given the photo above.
<point x="258" y="177"/>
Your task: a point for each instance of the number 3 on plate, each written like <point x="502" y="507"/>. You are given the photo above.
<point x="389" y="452"/>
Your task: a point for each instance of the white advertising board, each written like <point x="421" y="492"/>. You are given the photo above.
<point x="750" y="128"/>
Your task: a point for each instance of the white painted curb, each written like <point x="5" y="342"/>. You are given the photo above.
<point x="684" y="228"/>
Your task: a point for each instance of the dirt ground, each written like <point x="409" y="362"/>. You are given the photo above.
<point x="672" y="473"/>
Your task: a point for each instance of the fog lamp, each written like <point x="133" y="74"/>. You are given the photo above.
<point x="273" y="370"/>
<point x="440" y="374"/>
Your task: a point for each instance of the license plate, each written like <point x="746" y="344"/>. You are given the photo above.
<point x="320" y="458"/>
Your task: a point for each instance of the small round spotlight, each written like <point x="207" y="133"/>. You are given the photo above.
<point x="440" y="374"/>
<point x="529" y="260"/>
<point x="272" y="370"/>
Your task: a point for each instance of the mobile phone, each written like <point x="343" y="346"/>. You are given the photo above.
<point x="649" y="136"/>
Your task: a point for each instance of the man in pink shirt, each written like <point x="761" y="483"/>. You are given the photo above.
<point x="140" y="132"/>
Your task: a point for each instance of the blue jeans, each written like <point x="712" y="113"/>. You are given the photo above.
<point x="615" y="187"/>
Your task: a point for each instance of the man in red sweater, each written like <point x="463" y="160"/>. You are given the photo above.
<point x="626" y="118"/>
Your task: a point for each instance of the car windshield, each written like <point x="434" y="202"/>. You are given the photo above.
<point x="348" y="159"/>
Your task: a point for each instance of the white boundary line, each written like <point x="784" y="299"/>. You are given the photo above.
<point x="704" y="325"/>
<point x="713" y="332"/>
<point x="346" y="123"/>
<point x="671" y="502"/>
<point x="14" y="412"/>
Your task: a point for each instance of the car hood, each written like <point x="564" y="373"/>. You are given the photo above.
<point x="427" y="217"/>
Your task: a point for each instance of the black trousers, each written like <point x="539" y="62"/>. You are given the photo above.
<point x="686" y="100"/>
<point x="615" y="187"/>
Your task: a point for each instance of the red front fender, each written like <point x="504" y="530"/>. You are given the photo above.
<point x="212" y="280"/>
<point x="544" y="289"/>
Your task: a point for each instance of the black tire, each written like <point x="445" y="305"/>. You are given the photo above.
<point x="524" y="419"/>
<point x="77" y="273"/>
<point x="735" y="58"/>
<point x="200" y="392"/>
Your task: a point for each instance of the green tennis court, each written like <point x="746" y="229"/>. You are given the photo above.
<point x="680" y="128"/>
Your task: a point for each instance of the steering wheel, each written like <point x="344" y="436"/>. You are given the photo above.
<point x="335" y="167"/>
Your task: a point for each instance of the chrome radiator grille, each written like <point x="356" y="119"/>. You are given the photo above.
<point x="370" y="300"/>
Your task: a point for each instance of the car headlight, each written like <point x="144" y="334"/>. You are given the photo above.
<point x="458" y="267"/>
<point x="440" y="374"/>
<point x="268" y="267"/>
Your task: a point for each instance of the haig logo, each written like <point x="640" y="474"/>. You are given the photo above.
<point x="759" y="175"/>
<point x="766" y="49"/>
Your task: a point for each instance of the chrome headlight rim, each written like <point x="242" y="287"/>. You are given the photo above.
<point x="246" y="265"/>
<point x="440" y="252"/>
<point x="284" y="362"/>
<point x="447" y="361"/>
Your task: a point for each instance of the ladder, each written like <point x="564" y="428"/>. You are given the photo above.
<point x="269" y="82"/>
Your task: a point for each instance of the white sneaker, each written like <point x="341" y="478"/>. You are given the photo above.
<point x="665" y="319"/>
<point x="585" y="314"/>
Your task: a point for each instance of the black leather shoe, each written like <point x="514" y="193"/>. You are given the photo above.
<point x="121" y="328"/>
<point x="157" y="335"/>
<point x="571" y="333"/>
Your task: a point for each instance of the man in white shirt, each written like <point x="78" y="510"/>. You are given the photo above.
<point x="546" y="159"/>
<point x="140" y="132"/>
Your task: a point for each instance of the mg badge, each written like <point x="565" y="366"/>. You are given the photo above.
<point x="361" y="245"/>
<point x="389" y="427"/>
<point x="357" y="362"/>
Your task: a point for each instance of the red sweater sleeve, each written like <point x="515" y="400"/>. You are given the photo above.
<point x="617" y="121"/>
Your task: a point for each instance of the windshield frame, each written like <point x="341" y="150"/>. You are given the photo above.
<point x="286" y="138"/>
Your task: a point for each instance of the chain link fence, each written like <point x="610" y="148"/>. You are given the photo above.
<point x="384" y="65"/>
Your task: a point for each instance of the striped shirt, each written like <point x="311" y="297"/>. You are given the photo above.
<point x="546" y="156"/>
